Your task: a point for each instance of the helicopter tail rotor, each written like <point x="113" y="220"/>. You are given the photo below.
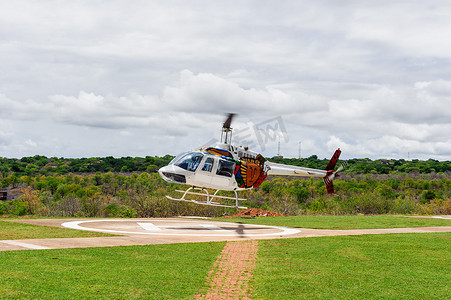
<point x="331" y="174"/>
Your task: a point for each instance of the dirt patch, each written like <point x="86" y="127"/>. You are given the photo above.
<point x="232" y="271"/>
<point x="255" y="212"/>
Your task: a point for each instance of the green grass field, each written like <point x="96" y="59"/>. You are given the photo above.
<point x="343" y="222"/>
<point x="176" y="271"/>
<point x="19" y="231"/>
<point x="395" y="266"/>
<point x="389" y="266"/>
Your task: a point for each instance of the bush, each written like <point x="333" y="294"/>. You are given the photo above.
<point x="112" y="210"/>
<point x="435" y="207"/>
<point x="301" y="194"/>
<point x="142" y="195"/>
<point x="427" y="196"/>
<point x="13" y="208"/>
<point x="403" y="206"/>
<point x="3" y="208"/>
<point x="326" y="205"/>
<point x="128" y="213"/>
<point x="368" y="203"/>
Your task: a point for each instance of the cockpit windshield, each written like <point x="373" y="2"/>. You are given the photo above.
<point x="188" y="160"/>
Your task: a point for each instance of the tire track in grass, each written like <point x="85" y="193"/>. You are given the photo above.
<point x="230" y="275"/>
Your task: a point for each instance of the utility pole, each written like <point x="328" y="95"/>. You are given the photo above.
<point x="299" y="149"/>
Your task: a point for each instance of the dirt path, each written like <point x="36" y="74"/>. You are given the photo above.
<point x="231" y="273"/>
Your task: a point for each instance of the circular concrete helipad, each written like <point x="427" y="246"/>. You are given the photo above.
<point x="193" y="228"/>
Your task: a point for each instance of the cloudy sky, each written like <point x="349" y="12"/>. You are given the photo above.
<point x="137" y="78"/>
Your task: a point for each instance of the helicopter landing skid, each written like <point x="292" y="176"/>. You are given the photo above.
<point x="209" y="197"/>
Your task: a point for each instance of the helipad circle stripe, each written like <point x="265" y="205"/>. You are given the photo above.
<point x="283" y="230"/>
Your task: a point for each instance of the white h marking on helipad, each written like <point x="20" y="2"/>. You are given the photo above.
<point x="149" y="226"/>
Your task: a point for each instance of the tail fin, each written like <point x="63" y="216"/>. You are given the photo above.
<point x="330" y="176"/>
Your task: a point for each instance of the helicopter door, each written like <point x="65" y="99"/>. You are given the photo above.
<point x="204" y="174"/>
<point x="224" y="173"/>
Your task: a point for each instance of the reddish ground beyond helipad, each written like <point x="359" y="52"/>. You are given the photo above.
<point x="175" y="230"/>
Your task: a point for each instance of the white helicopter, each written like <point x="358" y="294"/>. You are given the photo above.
<point x="232" y="168"/>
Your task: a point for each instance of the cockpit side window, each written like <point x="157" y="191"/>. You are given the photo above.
<point x="208" y="166"/>
<point x="189" y="161"/>
<point x="225" y="168"/>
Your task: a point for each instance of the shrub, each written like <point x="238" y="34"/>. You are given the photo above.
<point x="31" y="200"/>
<point x="13" y="208"/>
<point x="370" y="203"/>
<point x="3" y="208"/>
<point x="427" y="196"/>
<point x="386" y="192"/>
<point x="301" y="194"/>
<point x="403" y="206"/>
<point x="326" y="205"/>
<point x="436" y="207"/>
<point x="128" y="213"/>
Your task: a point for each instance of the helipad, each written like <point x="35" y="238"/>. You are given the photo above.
<point x="144" y="231"/>
<point x="186" y="228"/>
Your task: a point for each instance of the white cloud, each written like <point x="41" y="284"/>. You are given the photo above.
<point x="210" y="93"/>
<point x="5" y="137"/>
<point x="194" y="94"/>
<point x="89" y="109"/>
<point x="31" y="143"/>
<point x="384" y="124"/>
<point x="159" y="76"/>
<point x="413" y="27"/>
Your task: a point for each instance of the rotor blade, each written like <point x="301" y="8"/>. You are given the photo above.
<point x="228" y="121"/>
<point x="342" y="166"/>
<point x="333" y="160"/>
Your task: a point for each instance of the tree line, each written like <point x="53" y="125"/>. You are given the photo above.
<point x="43" y="165"/>
<point x="130" y="187"/>
<point x="40" y="164"/>
<point x="368" y="166"/>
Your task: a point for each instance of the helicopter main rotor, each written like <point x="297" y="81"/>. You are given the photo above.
<point x="226" y="134"/>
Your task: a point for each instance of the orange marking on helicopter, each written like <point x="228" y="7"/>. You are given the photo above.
<point x="253" y="172"/>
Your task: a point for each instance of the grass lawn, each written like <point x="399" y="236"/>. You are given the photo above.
<point x="389" y="266"/>
<point x="394" y="266"/>
<point x="18" y="231"/>
<point x="343" y="222"/>
<point x="176" y="271"/>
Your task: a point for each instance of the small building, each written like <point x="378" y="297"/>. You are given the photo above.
<point x="3" y="195"/>
<point x="10" y="194"/>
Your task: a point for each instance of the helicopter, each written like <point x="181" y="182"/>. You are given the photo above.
<point x="232" y="168"/>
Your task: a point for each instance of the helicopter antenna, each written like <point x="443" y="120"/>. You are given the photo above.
<point x="226" y="134"/>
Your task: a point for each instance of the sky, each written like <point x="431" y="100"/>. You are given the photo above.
<point x="138" y="78"/>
